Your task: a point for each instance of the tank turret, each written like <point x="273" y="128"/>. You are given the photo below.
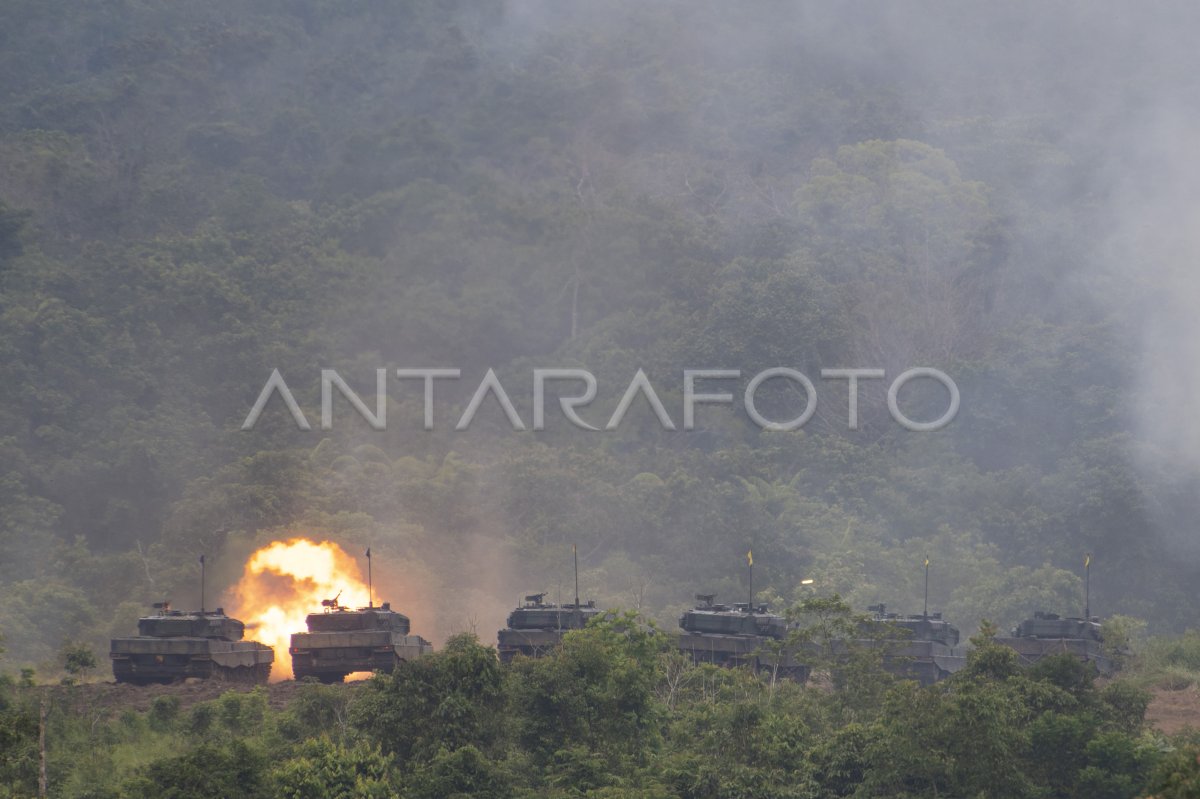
<point x="737" y="619"/>
<point x="345" y="620"/>
<point x="340" y="641"/>
<point x="919" y="627"/>
<point x="737" y="635"/>
<point x="1051" y="625"/>
<point x="923" y="647"/>
<point x="1050" y="634"/>
<point x="196" y="624"/>
<point x="173" y="645"/>
<point x="535" y="627"/>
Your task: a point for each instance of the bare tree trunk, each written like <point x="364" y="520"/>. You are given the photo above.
<point x="145" y="563"/>
<point x="575" y="305"/>
<point x="584" y="245"/>
<point x="42" y="782"/>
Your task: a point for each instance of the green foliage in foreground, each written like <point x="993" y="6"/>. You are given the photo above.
<point x="1166" y="662"/>
<point x="614" y="714"/>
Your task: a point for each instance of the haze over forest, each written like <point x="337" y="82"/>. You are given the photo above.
<point x="194" y="195"/>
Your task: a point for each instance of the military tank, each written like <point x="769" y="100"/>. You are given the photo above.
<point x="536" y="627"/>
<point x="1050" y="634"/>
<point x="921" y="647"/>
<point x="173" y="645"/>
<point x="341" y="640"/>
<point x="737" y="635"/>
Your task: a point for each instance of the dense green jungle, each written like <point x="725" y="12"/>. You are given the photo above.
<point x="194" y="195"/>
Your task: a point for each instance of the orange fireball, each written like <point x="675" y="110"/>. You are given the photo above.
<point x="285" y="581"/>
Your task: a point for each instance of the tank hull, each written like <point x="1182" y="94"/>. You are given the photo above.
<point x="536" y="628"/>
<point x="143" y="660"/>
<point x="926" y="662"/>
<point x="926" y="669"/>
<point x="530" y="643"/>
<point x="1030" y="650"/>
<point x="330" y="656"/>
<point x="738" y="651"/>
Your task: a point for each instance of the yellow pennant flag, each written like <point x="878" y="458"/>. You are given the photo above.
<point x="750" y="557"/>
<point x="1087" y="560"/>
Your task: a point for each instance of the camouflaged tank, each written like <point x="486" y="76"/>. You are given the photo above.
<point x="1049" y="634"/>
<point x="174" y="645"/>
<point x="916" y="647"/>
<point x="537" y="627"/>
<point x="738" y="635"/>
<point x="341" y="641"/>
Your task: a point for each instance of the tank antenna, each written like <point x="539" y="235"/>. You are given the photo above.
<point x="750" y="566"/>
<point x="577" y="613"/>
<point x="925" y="613"/>
<point x="1087" y="587"/>
<point x="201" y="585"/>
<point x="370" y="585"/>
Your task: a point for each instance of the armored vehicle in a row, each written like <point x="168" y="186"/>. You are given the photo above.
<point x="1049" y="634"/>
<point x="921" y="647"/>
<point x="738" y="635"/>
<point x="341" y="641"/>
<point x="536" y="627"/>
<point x="173" y="645"/>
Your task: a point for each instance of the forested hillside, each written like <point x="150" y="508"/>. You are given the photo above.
<point x="194" y="195"/>
<point x="197" y="194"/>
